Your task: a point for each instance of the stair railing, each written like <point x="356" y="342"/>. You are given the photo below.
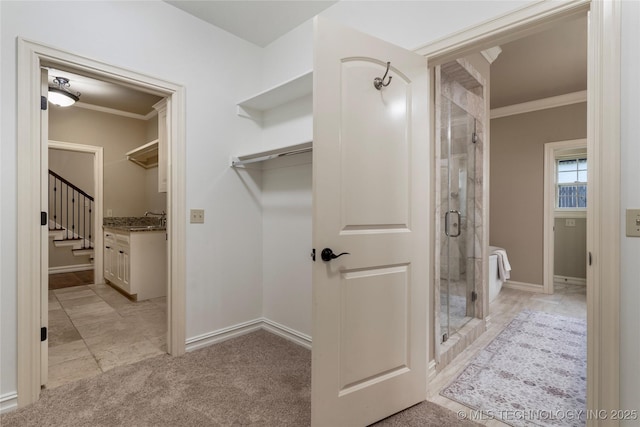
<point x="70" y="210"/>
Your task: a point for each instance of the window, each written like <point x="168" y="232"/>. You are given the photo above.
<point x="571" y="183"/>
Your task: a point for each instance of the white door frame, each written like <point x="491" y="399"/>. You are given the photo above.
<point x="98" y="182"/>
<point x="550" y="152"/>
<point x="31" y="56"/>
<point x="603" y="148"/>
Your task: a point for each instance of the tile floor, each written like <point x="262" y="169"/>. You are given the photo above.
<point x="93" y="328"/>
<point x="567" y="300"/>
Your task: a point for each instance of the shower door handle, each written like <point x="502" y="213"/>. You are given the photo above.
<point x="456" y="223"/>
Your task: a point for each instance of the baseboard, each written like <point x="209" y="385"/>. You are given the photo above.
<point x="70" y="268"/>
<point x="566" y="280"/>
<point x="8" y="402"/>
<point x="223" y="334"/>
<point x="431" y="370"/>
<point x="522" y="286"/>
<point x="287" y="333"/>
<point x="220" y="335"/>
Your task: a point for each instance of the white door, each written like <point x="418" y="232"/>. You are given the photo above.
<point x="44" y="235"/>
<point x="371" y="196"/>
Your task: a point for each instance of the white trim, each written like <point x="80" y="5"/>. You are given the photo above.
<point x="214" y="337"/>
<point x="8" y="402"/>
<point x="540" y="104"/>
<point x="431" y="370"/>
<point x="603" y="221"/>
<point x="98" y="198"/>
<point x="566" y="280"/>
<point x="525" y="20"/>
<point x="70" y="268"/>
<point x="569" y="213"/>
<point x="551" y="150"/>
<point x="285" y="332"/>
<point x="116" y="112"/>
<point x="31" y="56"/>
<point x="491" y="54"/>
<point x="523" y="286"/>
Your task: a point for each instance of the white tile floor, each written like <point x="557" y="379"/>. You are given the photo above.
<point x="94" y="328"/>
<point x="567" y="300"/>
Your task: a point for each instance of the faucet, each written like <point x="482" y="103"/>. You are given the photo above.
<point x="162" y="215"/>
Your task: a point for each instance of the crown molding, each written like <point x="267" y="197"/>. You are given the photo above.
<point x="540" y="104"/>
<point x="116" y="112"/>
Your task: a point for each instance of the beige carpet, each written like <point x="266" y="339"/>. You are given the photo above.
<point x="258" y="379"/>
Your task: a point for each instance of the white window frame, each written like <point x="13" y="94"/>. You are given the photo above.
<point x="571" y="212"/>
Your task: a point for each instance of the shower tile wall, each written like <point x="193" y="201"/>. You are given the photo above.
<point x="460" y="83"/>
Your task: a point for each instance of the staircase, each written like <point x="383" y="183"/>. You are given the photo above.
<point x="70" y="216"/>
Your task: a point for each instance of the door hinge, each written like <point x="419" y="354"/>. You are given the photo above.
<point x="474" y="296"/>
<point x="43" y="218"/>
<point x="445" y="337"/>
<point x="474" y="137"/>
<point x="43" y="333"/>
<point x="313" y="254"/>
<point x="43" y="102"/>
<point x="590" y="258"/>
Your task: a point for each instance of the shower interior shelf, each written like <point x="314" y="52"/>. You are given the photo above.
<point x="261" y="156"/>
<point x="290" y="90"/>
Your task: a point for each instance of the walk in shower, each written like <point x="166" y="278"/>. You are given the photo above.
<point x="460" y="109"/>
<point x="457" y="219"/>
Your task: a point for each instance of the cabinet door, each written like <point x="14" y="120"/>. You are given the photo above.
<point x="109" y="266"/>
<point x="126" y="267"/>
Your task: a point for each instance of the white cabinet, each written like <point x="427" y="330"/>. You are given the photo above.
<point x="109" y="256"/>
<point x="136" y="262"/>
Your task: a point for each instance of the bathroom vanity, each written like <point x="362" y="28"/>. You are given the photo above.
<point x="135" y="260"/>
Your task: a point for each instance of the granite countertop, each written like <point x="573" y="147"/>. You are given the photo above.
<point x="133" y="224"/>
<point x="134" y="228"/>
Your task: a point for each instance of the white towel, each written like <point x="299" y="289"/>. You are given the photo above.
<point x="504" y="267"/>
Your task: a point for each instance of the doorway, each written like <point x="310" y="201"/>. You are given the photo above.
<point x="565" y="214"/>
<point x="602" y="78"/>
<point x="33" y="267"/>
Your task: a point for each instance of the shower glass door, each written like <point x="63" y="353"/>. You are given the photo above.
<point x="457" y="163"/>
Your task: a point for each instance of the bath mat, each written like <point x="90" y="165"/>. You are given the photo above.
<point x="532" y="374"/>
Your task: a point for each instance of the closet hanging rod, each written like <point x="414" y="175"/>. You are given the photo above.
<point x="271" y="154"/>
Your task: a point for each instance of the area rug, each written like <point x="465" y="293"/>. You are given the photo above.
<point x="532" y="374"/>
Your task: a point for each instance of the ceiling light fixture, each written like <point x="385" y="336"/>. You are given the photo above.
<point x="60" y="94"/>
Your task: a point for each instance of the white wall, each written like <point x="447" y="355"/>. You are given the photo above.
<point x="286" y="220"/>
<point x="224" y="264"/>
<point x="409" y="24"/>
<point x="630" y="198"/>
<point x="224" y="255"/>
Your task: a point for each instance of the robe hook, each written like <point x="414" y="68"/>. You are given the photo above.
<point x="379" y="82"/>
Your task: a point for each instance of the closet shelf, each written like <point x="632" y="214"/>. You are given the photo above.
<point x="262" y="156"/>
<point x="276" y="96"/>
<point x="146" y="155"/>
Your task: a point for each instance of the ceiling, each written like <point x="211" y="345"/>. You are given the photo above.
<point x="104" y="94"/>
<point x="546" y="64"/>
<point x="259" y="22"/>
<point x="549" y="63"/>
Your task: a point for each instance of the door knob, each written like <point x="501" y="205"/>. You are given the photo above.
<point x="327" y="254"/>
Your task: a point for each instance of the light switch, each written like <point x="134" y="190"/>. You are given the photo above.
<point x="197" y="216"/>
<point x="633" y="222"/>
<point x="570" y="222"/>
